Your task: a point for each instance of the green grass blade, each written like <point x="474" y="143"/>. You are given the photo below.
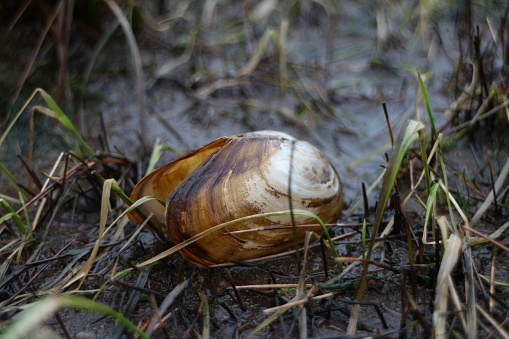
<point x="83" y="303"/>
<point x="428" y="108"/>
<point x="206" y="316"/>
<point x="156" y="154"/>
<point x="12" y="180"/>
<point x="29" y="320"/>
<point x="16" y="117"/>
<point x="64" y="120"/>
<point x="406" y="137"/>
<point x="429" y="209"/>
<point x="59" y="114"/>
<point x="424" y="155"/>
<point x="15" y="217"/>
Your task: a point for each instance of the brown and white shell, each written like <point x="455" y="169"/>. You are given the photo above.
<point x="239" y="176"/>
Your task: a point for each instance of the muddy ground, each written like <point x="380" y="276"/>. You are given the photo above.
<point x="342" y="61"/>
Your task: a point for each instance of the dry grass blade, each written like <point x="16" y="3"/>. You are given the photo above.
<point x="133" y="300"/>
<point x="449" y="260"/>
<point x="271" y="319"/>
<point x="138" y="70"/>
<point x="166" y="69"/>
<point x="270" y="286"/>
<point x="170" y="298"/>
<point x="283" y="78"/>
<point x="482" y="239"/>
<point x="207" y="232"/>
<point x="301" y="288"/>
<point x="501" y="331"/>
<point x="467" y="94"/>
<point x="83" y="271"/>
<point x="105" y="207"/>
<point x="257" y="55"/>
<point x="490" y="198"/>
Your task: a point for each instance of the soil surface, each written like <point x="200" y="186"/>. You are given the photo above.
<point x="340" y="64"/>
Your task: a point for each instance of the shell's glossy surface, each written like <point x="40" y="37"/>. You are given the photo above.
<point x="239" y="176"/>
<point x="163" y="180"/>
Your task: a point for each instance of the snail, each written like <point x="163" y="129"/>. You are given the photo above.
<point x="239" y="176"/>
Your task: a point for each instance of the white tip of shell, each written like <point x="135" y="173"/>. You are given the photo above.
<point x="270" y="133"/>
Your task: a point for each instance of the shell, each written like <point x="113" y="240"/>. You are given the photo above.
<point x="238" y="176"/>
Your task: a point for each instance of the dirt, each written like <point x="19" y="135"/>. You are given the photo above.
<point x="341" y="69"/>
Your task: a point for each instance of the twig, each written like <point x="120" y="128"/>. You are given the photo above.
<point x="388" y="123"/>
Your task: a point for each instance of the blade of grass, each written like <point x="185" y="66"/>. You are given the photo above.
<point x="257" y="54"/>
<point x="428" y="108"/>
<point x="271" y="319"/>
<point x="489" y="199"/>
<point x="363" y="239"/>
<point x="432" y="192"/>
<point x="131" y="302"/>
<point x="368" y="156"/>
<point x="359" y="260"/>
<point x="503" y="333"/>
<point x="31" y="318"/>
<point x="64" y="120"/>
<point x="54" y="111"/>
<point x="170" y="298"/>
<point x="105" y="207"/>
<point x="13" y="180"/>
<point x="449" y="260"/>
<point x="407" y="135"/>
<point x="205" y="233"/>
<point x="301" y="292"/>
<point x="23" y="229"/>
<point x="137" y="65"/>
<point x="157" y="151"/>
<point x="283" y="73"/>
<point x="206" y="317"/>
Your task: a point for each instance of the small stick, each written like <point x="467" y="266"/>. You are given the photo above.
<point x="157" y="313"/>
<point x="62" y="325"/>
<point x="298" y="302"/>
<point x="365" y="201"/>
<point x="493" y="188"/>
<point x="492" y="282"/>
<point x="388" y="123"/>
<point x="270" y="286"/>
<point x="324" y="259"/>
<point x="139" y="289"/>
<point x="366" y="206"/>
<point x="234" y="287"/>
<point x="499" y="245"/>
